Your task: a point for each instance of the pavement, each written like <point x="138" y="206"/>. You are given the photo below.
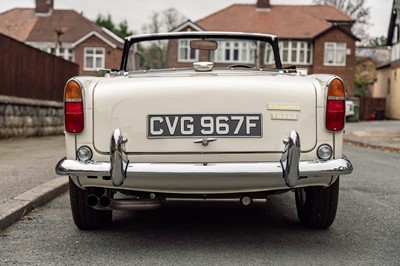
<point x="20" y="194"/>
<point x="381" y="135"/>
<point x="27" y="176"/>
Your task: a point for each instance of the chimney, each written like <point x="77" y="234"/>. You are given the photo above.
<point x="263" y="4"/>
<point x="44" y="7"/>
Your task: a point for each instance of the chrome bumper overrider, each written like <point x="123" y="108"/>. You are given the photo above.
<point x="289" y="167"/>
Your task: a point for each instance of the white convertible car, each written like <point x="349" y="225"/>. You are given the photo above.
<point x="203" y="116"/>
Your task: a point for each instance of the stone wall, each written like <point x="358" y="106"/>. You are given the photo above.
<point x="22" y="117"/>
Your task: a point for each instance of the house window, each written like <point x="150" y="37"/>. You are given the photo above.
<point x="395" y="38"/>
<point x="269" y="55"/>
<point x="292" y="52"/>
<point x="235" y="52"/>
<point x="67" y="54"/>
<point x="395" y="52"/>
<point x="94" y="59"/>
<point x="187" y="54"/>
<point x="335" y="54"/>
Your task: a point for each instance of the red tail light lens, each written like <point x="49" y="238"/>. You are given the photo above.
<point x="335" y="106"/>
<point x="335" y="112"/>
<point x="73" y="107"/>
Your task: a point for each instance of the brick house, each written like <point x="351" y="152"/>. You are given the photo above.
<point x="368" y="60"/>
<point x="315" y="37"/>
<point x="388" y="77"/>
<point x="64" y="33"/>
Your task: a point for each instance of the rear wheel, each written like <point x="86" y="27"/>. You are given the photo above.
<point x="316" y="206"/>
<point x="86" y="217"/>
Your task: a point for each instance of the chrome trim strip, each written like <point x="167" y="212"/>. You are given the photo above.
<point x="200" y="34"/>
<point x="74" y="100"/>
<point x="336" y="98"/>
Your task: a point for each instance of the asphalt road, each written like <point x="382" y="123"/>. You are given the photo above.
<point x="366" y="230"/>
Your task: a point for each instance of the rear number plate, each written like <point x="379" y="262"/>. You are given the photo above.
<point x="221" y="125"/>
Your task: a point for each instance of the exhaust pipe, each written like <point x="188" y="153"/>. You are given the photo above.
<point x="92" y="200"/>
<point x="135" y="204"/>
<point x="105" y="201"/>
<point x="245" y="202"/>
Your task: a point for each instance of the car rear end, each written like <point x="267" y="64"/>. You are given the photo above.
<point x="199" y="123"/>
<point x="228" y="134"/>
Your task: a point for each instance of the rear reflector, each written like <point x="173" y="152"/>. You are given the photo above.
<point x="73" y="107"/>
<point x="335" y="106"/>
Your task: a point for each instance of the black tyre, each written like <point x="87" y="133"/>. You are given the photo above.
<point x="316" y="206"/>
<point x="84" y="216"/>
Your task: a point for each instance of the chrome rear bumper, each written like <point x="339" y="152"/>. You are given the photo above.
<point x="289" y="167"/>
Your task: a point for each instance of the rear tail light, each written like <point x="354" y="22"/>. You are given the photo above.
<point x="335" y="105"/>
<point x="73" y="107"/>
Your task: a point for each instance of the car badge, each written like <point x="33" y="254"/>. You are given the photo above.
<point x="284" y="107"/>
<point x="205" y="141"/>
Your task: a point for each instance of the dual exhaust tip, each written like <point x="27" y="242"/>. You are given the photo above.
<point x="102" y="202"/>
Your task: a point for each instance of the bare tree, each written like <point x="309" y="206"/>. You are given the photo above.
<point x="155" y="55"/>
<point x="155" y="24"/>
<point x="165" y="20"/>
<point x="357" y="10"/>
<point x="172" y="18"/>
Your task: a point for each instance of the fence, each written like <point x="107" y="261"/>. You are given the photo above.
<point x="30" y="73"/>
<point x="31" y="90"/>
<point x="372" y="106"/>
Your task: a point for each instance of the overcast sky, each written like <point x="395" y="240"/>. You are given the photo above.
<point x="137" y="12"/>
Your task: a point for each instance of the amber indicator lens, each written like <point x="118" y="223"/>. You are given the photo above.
<point x="73" y="91"/>
<point x="336" y="88"/>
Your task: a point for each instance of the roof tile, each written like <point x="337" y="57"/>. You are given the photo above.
<point x="285" y="21"/>
<point x="18" y="23"/>
<point x="26" y="26"/>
